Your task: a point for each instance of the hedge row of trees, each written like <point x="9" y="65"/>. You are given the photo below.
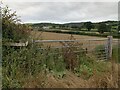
<point x="101" y="27"/>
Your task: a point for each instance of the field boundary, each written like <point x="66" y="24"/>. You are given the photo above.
<point x="81" y="33"/>
<point x="105" y="53"/>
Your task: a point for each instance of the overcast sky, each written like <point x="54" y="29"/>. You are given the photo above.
<point x="64" y="12"/>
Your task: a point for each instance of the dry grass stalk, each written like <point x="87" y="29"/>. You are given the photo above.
<point x="69" y="54"/>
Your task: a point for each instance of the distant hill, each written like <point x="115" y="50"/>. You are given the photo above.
<point x="73" y="24"/>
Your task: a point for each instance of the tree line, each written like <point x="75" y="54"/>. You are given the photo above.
<point x="101" y="27"/>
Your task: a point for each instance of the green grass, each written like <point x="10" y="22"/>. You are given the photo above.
<point x="89" y="66"/>
<point x="115" y="53"/>
<point x="30" y="61"/>
<point x="19" y="63"/>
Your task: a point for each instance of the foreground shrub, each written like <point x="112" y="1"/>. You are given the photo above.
<point x="12" y="29"/>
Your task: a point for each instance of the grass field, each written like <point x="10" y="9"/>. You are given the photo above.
<point x="58" y="36"/>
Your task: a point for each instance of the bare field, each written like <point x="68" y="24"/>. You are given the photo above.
<point x="58" y="36"/>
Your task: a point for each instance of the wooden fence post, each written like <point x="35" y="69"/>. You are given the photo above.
<point x="109" y="47"/>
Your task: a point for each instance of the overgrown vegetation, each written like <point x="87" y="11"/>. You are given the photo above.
<point x="12" y="29"/>
<point x="19" y="63"/>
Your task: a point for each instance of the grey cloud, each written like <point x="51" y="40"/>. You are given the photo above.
<point x="65" y="11"/>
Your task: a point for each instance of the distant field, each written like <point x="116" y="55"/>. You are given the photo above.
<point x="58" y="36"/>
<point x="37" y="35"/>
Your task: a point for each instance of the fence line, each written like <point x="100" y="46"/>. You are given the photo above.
<point x="87" y="45"/>
<point x="47" y="41"/>
<point x="105" y="53"/>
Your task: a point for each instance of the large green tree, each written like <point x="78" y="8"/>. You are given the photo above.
<point x="89" y="25"/>
<point x="102" y="27"/>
